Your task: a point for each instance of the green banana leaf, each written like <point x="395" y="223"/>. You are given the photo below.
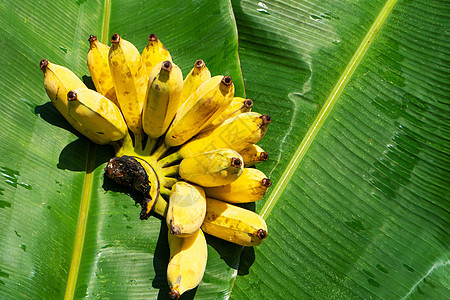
<point x="358" y="210"/>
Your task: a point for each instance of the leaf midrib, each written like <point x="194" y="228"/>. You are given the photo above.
<point x="309" y="137"/>
<point x="87" y="189"/>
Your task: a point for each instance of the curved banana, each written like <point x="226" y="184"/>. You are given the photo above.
<point x="237" y="106"/>
<point x="198" y="75"/>
<point x="97" y="113"/>
<point x="187" y="209"/>
<point x="163" y="98"/>
<point x="234" y="224"/>
<point x="253" y="155"/>
<point x="251" y="186"/>
<point x="128" y="74"/>
<point x="187" y="263"/>
<point x="97" y="61"/>
<point x="58" y="81"/>
<point x="154" y="53"/>
<point x="236" y="133"/>
<point x="202" y="107"/>
<point x="214" y="168"/>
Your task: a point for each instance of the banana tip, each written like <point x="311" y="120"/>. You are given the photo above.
<point x="174" y="294"/>
<point x="199" y="63"/>
<point x="152" y="37"/>
<point x="92" y="38"/>
<point x="266" y="119"/>
<point x="115" y="38"/>
<point x="266" y="182"/>
<point x="264" y="156"/>
<point x="248" y="103"/>
<point x="43" y="64"/>
<point x="227" y="81"/>
<point x="261" y="234"/>
<point x="71" y="95"/>
<point x="175" y="230"/>
<point x="236" y="162"/>
<point x="166" y="66"/>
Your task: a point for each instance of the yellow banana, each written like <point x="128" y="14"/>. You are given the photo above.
<point x="253" y="155"/>
<point x="187" y="209"/>
<point x="97" y="61"/>
<point x="97" y="113"/>
<point x="58" y="81"/>
<point x="214" y="168"/>
<point x="129" y="79"/>
<point x="251" y="186"/>
<point x="202" y="107"/>
<point x="234" y="224"/>
<point x="236" y="133"/>
<point x="198" y="74"/>
<point x="163" y="98"/>
<point x="154" y="53"/>
<point x="237" y="106"/>
<point x="187" y="263"/>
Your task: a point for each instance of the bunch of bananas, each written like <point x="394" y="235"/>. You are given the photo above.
<point x="186" y="144"/>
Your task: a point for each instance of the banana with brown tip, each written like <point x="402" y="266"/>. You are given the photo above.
<point x="187" y="209"/>
<point x="97" y="61"/>
<point x="187" y="263"/>
<point x="251" y="186"/>
<point x="234" y="224"/>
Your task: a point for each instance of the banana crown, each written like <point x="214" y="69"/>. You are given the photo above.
<point x="188" y="141"/>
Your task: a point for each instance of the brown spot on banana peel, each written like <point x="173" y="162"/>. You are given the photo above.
<point x="261" y="234"/>
<point x="115" y="38"/>
<point x="175" y="230"/>
<point x="43" y="65"/>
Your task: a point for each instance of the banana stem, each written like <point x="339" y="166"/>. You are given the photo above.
<point x="171" y="171"/>
<point x="164" y="191"/>
<point x="160" y="151"/>
<point x="170" y="159"/>
<point x="151" y="143"/>
<point x="168" y="182"/>
<point x="125" y="146"/>
<point x="160" y="207"/>
<point x="138" y="143"/>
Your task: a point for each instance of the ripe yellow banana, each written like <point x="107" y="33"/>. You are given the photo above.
<point x="236" y="133"/>
<point x="214" y="168"/>
<point x="97" y="61"/>
<point x="253" y="155"/>
<point x="251" y="186"/>
<point x="234" y="224"/>
<point x="237" y="106"/>
<point x="187" y="209"/>
<point x="97" y="113"/>
<point x="187" y="263"/>
<point x="129" y="79"/>
<point x="154" y="53"/>
<point x="163" y="98"/>
<point x="202" y="107"/>
<point x="58" y="81"/>
<point x="198" y="75"/>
